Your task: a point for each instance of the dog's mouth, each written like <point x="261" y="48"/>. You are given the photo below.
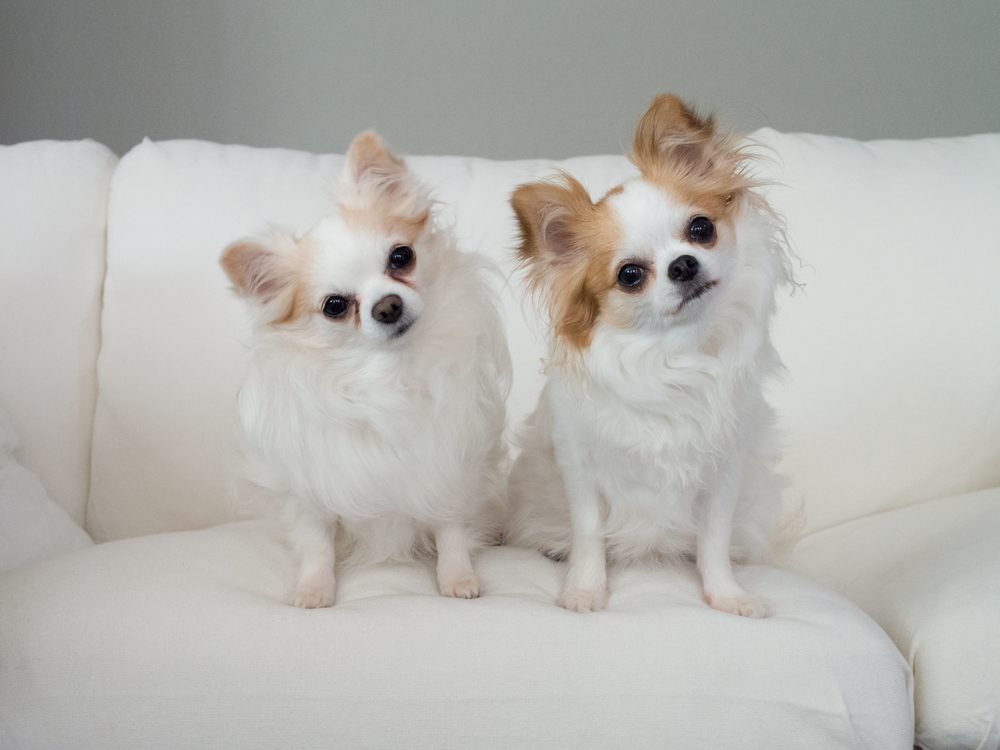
<point x="404" y="325"/>
<point x="696" y="292"/>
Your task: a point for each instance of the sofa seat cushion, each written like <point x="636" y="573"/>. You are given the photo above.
<point x="32" y="526"/>
<point x="928" y="574"/>
<point x="184" y="640"/>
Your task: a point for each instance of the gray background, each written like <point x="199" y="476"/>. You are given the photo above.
<point x="503" y="79"/>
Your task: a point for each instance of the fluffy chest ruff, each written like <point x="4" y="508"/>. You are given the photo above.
<point x="654" y="430"/>
<point x="390" y="441"/>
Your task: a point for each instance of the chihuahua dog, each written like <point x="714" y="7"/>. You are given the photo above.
<point x="373" y="405"/>
<point x="652" y="437"/>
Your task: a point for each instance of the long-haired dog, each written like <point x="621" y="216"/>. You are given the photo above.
<point x="373" y="404"/>
<point x="652" y="437"/>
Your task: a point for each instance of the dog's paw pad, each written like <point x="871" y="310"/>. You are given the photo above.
<point x="583" y="599"/>
<point x="314" y="596"/>
<point x="744" y="606"/>
<point x="462" y="587"/>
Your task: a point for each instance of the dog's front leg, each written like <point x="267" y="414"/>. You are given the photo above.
<point x="715" y="532"/>
<point x="312" y="533"/>
<point x="586" y="586"/>
<point x="455" y="574"/>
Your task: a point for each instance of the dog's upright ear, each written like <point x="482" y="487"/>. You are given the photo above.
<point x="376" y="178"/>
<point x="676" y="147"/>
<point x="369" y="159"/>
<point x="263" y="269"/>
<point x="673" y="132"/>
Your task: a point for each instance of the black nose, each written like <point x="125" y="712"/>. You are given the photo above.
<point x="388" y="309"/>
<point x="683" y="268"/>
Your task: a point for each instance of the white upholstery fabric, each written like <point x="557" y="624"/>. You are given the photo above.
<point x="53" y="207"/>
<point x="899" y="304"/>
<point x="181" y="640"/>
<point x="32" y="527"/>
<point x="929" y="575"/>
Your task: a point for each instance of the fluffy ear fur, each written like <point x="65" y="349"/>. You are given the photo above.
<point x="264" y="270"/>
<point x="565" y="245"/>
<point x="369" y="158"/>
<point x="675" y="147"/>
<point x="376" y="179"/>
<point x="547" y="213"/>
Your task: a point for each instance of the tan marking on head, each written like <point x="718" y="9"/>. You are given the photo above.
<point x="567" y="246"/>
<point x="381" y="218"/>
<point x="684" y="154"/>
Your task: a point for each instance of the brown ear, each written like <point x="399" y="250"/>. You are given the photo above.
<point x="671" y="131"/>
<point x="547" y="213"/>
<point x="564" y="247"/>
<point x="677" y="148"/>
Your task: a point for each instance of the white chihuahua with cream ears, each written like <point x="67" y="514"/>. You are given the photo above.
<point x="652" y="437"/>
<point x="373" y="404"/>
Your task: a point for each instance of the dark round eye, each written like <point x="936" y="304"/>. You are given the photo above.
<point x="401" y="257"/>
<point x="334" y="307"/>
<point x="631" y="275"/>
<point x="701" y="230"/>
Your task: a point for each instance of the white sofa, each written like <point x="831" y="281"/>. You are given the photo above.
<point x="122" y="351"/>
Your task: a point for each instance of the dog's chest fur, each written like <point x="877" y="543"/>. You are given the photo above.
<point x="374" y="435"/>
<point x="368" y="443"/>
<point x="653" y="428"/>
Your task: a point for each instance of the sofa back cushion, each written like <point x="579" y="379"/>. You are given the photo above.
<point x="53" y="208"/>
<point x="891" y="344"/>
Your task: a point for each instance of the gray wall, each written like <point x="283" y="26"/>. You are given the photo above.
<point x="503" y="79"/>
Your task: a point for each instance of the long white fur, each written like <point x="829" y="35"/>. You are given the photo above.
<point x="395" y="443"/>
<point x="656" y="439"/>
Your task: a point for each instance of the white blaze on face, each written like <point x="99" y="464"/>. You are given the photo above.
<point x="352" y="261"/>
<point x="654" y="229"/>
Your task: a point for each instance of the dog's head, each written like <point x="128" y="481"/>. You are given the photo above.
<point x="360" y="275"/>
<point x="654" y="252"/>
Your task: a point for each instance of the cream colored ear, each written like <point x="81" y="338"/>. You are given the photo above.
<point x="253" y="268"/>
<point x="263" y="270"/>
<point x="546" y="213"/>
<point x="374" y="177"/>
<point x="368" y="158"/>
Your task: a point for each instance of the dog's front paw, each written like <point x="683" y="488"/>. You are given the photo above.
<point x="314" y="592"/>
<point x="578" y="599"/>
<point x="461" y="587"/>
<point x="746" y="605"/>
